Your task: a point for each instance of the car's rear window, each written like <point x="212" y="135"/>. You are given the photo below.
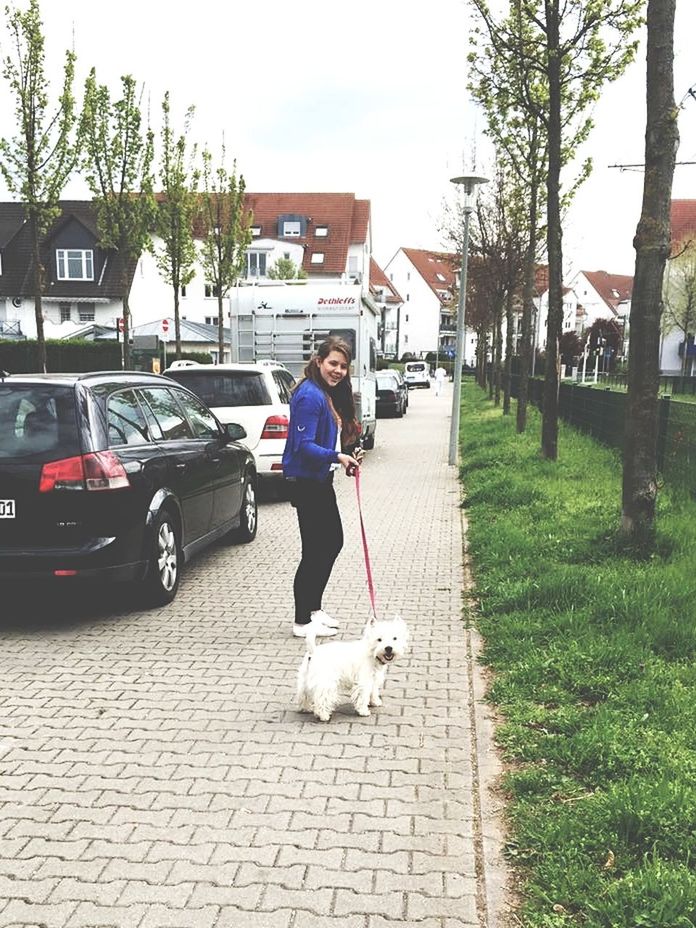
<point x="387" y="380"/>
<point x="37" y="422"/>
<point x="415" y="367"/>
<point x="228" y="388"/>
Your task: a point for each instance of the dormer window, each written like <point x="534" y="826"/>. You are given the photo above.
<point x="255" y="231"/>
<point x="441" y="277"/>
<point x="75" y="264"/>
<point x="292" y="228"/>
<point x="317" y="257"/>
<point x="321" y="231"/>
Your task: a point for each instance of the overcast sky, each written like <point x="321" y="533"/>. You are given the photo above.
<point x="367" y="97"/>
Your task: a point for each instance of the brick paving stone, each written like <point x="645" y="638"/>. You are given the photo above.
<point x="157" y="774"/>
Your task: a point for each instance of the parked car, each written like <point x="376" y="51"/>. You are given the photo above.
<point x="116" y="476"/>
<point x="392" y="394"/>
<point x="417" y="374"/>
<point x="255" y="395"/>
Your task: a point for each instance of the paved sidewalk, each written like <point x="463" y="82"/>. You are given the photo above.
<point x="154" y="771"/>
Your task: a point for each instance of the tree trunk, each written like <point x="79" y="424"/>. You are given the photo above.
<point x="498" y="358"/>
<point x="507" y="371"/>
<point x="527" y="310"/>
<point x="652" y="244"/>
<point x="177" y="323"/>
<point x="549" y="427"/>
<point x="38" y="294"/>
<point x="221" y="329"/>
<point x="126" y="331"/>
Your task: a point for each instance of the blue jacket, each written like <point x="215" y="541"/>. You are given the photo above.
<point x="310" y="449"/>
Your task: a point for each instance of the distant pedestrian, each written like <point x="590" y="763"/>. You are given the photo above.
<point x="440" y="376"/>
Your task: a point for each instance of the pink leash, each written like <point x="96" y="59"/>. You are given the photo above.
<point x="368" y="569"/>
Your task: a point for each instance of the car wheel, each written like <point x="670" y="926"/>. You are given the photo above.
<point x="164" y="569"/>
<point x="248" y="516"/>
<point x="368" y="442"/>
<point x="399" y="412"/>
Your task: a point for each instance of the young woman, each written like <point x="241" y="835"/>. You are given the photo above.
<point x="322" y="423"/>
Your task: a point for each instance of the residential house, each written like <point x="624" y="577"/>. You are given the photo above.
<point x="680" y="275"/>
<point x="326" y="234"/>
<point x="389" y="302"/>
<point x="589" y="296"/>
<point x="427" y="281"/>
<point x="83" y="282"/>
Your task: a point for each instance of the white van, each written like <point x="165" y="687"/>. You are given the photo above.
<point x="417" y="374"/>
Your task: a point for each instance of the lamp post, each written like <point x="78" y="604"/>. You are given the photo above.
<point x="469" y="182"/>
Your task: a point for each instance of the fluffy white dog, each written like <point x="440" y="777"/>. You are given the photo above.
<point x="353" y="669"/>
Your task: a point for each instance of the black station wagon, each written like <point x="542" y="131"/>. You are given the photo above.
<point x="116" y="476"/>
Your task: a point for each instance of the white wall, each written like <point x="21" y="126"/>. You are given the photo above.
<point x="420" y="311"/>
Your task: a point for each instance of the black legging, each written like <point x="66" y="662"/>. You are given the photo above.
<point x="322" y="539"/>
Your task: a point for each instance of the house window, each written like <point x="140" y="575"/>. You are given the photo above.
<point x="408" y="297"/>
<point x="75" y="264"/>
<point x="353" y="264"/>
<point x="183" y="290"/>
<point x="65" y="309"/>
<point x="317" y="257"/>
<point x="255" y="231"/>
<point x="211" y="290"/>
<point x="441" y="277"/>
<point x="406" y="317"/>
<point x="256" y="264"/>
<point x="286" y="255"/>
<point x="321" y="231"/>
<point x="292" y="228"/>
<point x="85" y="312"/>
<point x="211" y="320"/>
<point x="408" y="275"/>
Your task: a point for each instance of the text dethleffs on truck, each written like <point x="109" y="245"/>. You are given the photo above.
<point x="287" y="322"/>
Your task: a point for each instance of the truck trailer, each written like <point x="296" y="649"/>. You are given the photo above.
<point x="287" y="320"/>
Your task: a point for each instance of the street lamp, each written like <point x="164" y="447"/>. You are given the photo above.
<point x="469" y="182"/>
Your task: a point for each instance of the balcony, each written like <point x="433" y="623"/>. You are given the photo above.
<point x="11" y="330"/>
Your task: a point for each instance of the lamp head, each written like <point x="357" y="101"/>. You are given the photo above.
<point x="469" y="182"/>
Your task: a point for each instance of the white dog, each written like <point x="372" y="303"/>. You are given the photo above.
<point x="352" y="669"/>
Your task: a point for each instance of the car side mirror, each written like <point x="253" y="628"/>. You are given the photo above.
<point x="233" y="431"/>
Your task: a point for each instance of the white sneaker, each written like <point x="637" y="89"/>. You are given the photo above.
<point x="324" y="618"/>
<point x="321" y="631"/>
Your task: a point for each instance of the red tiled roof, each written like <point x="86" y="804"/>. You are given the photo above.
<point x="346" y="218"/>
<point x="431" y="263"/>
<point x="613" y="288"/>
<point x="541" y="278"/>
<point x="683" y="222"/>
<point x="379" y="279"/>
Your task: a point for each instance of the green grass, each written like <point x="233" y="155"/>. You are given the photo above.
<point x="594" y="653"/>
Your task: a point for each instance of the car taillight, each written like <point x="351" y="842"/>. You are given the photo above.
<point x="101" y="470"/>
<point x="275" y="427"/>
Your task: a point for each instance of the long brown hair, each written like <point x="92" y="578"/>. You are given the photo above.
<point x="340" y="396"/>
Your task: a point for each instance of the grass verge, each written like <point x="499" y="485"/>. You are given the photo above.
<point x="593" y="651"/>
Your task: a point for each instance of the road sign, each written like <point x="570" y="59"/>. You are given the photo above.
<point x="121" y="323"/>
<point x="165" y="326"/>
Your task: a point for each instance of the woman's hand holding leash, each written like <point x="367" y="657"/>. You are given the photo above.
<point x="351" y="464"/>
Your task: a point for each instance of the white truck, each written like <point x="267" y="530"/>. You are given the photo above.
<point x="287" y="320"/>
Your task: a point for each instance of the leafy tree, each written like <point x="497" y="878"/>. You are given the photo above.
<point x="652" y="244"/>
<point x="37" y="163"/>
<point x="286" y="269"/>
<point x="118" y="168"/>
<point x="679" y="297"/>
<point x="509" y="89"/>
<point x="570" y="347"/>
<point x="227" y="231"/>
<point x="176" y="210"/>
<point x="573" y="47"/>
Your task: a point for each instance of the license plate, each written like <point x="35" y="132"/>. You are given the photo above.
<point x="7" y="509"/>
